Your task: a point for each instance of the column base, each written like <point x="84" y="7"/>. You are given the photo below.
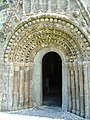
<point x="74" y="111"/>
<point x="69" y="110"/>
<point x="87" y="116"/>
<point x="82" y="114"/>
<point x="77" y="112"/>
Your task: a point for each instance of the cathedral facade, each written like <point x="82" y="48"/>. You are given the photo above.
<point x="41" y="41"/>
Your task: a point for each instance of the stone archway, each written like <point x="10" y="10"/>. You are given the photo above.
<point x="31" y="40"/>
<point x="37" y="96"/>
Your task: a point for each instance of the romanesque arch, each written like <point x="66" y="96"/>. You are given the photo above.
<point x="44" y="32"/>
<point x="37" y="71"/>
<point x="46" y="29"/>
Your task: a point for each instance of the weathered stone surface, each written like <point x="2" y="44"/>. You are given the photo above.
<point x="29" y="30"/>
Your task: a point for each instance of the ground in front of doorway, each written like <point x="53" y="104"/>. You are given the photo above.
<point x="47" y="112"/>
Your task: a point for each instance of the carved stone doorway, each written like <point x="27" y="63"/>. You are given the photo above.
<point x="37" y="82"/>
<point x="52" y="79"/>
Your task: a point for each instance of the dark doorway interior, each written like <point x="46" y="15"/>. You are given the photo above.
<point x="52" y="79"/>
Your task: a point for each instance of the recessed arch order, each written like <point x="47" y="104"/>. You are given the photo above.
<point x="45" y="30"/>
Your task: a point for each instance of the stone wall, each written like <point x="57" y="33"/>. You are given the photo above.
<point x="26" y="27"/>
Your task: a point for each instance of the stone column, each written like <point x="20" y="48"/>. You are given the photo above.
<point x="77" y="87"/>
<point x="73" y="87"/>
<point x="87" y="88"/>
<point x="41" y="5"/>
<point x="4" y="86"/>
<point x="21" y="87"/>
<point x="49" y="6"/>
<point x="16" y="84"/>
<point x="30" y="84"/>
<point x="44" y="5"/>
<point x="69" y="89"/>
<point x="58" y="5"/>
<point x="26" y="6"/>
<point x="81" y="85"/>
<point x="26" y="85"/>
<point x="32" y="6"/>
<point x="10" y="86"/>
<point x="1" y="84"/>
<point x="65" y="85"/>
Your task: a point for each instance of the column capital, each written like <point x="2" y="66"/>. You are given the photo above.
<point x="86" y="62"/>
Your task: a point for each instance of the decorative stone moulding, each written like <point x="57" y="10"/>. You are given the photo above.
<point x="76" y="13"/>
<point x="46" y="30"/>
<point x="2" y="36"/>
